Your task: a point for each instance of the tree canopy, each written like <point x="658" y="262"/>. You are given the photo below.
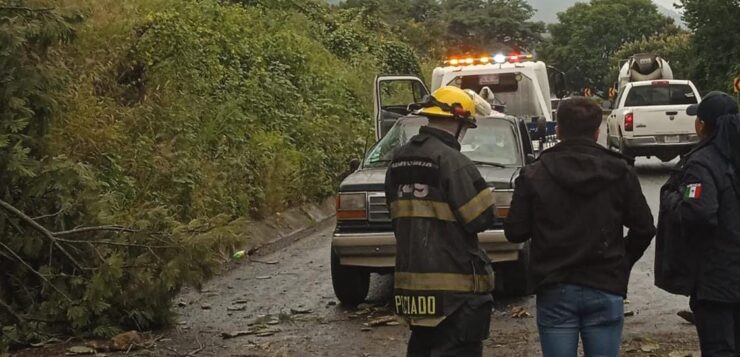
<point x="716" y="28"/>
<point x="589" y="34"/>
<point x="155" y="125"/>
<point x="435" y="27"/>
<point x="675" y="48"/>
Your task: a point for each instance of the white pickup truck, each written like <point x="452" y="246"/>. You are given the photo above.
<point x="649" y="119"/>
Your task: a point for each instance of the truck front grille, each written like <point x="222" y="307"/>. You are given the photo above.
<point x="377" y="208"/>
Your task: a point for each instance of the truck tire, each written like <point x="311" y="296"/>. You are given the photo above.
<point x="351" y="284"/>
<point x="512" y="278"/>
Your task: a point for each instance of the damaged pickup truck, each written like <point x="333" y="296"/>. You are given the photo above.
<point x="364" y="242"/>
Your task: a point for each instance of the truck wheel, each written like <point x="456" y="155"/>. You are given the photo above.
<point x="351" y="284"/>
<point x="512" y="278"/>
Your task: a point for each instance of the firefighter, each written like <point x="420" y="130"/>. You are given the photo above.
<point x="439" y="202"/>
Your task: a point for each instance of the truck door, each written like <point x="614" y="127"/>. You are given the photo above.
<point x="392" y="96"/>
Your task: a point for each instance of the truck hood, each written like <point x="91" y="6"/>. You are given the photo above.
<point x="374" y="179"/>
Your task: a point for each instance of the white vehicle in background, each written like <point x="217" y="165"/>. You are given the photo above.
<point x="649" y="119"/>
<point x="649" y="116"/>
<point x="643" y="67"/>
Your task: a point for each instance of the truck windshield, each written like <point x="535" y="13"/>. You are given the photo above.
<point x="515" y="91"/>
<point x="494" y="142"/>
<point x="653" y="95"/>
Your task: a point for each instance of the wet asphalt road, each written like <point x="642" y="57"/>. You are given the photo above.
<point x="297" y="278"/>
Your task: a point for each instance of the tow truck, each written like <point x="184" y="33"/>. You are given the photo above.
<point x="514" y="84"/>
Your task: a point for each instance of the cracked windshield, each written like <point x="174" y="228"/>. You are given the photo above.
<point x="492" y="142"/>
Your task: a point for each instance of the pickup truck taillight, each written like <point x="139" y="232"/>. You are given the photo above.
<point x="629" y="122"/>
<point x="502" y="200"/>
<point x="352" y="206"/>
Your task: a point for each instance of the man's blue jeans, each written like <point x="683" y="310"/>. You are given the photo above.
<point x="565" y="312"/>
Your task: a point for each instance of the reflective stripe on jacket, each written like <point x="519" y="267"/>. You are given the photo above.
<point x="438" y="202"/>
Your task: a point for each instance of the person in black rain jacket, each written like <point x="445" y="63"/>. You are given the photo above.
<point x="573" y="203"/>
<point x="698" y="244"/>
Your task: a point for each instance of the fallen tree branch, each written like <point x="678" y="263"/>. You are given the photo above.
<point x="13" y="224"/>
<point x="201" y="346"/>
<point x="121" y="244"/>
<point x="119" y="229"/>
<point x="43" y="320"/>
<point x="26" y="9"/>
<point x="20" y="259"/>
<point x="45" y="232"/>
<point x="48" y="215"/>
<point x="11" y="311"/>
<point x="192" y="353"/>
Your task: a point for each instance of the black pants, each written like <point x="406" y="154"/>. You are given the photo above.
<point x="460" y="334"/>
<point x="718" y="326"/>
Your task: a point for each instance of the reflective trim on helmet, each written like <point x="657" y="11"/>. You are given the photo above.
<point x="422" y="209"/>
<point x="476" y="206"/>
<point x="462" y="283"/>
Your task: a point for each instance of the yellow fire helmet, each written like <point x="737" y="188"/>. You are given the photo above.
<point x="449" y="102"/>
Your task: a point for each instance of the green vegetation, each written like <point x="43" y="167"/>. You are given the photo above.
<point x="592" y="38"/>
<point x="134" y="132"/>
<point x="716" y="28"/>
<point x="589" y="34"/>
<point x="154" y="123"/>
<point x="434" y="28"/>
<point x="677" y="48"/>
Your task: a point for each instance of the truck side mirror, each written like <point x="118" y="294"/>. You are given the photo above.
<point x="354" y="164"/>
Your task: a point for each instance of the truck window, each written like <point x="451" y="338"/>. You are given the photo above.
<point x="653" y="95"/>
<point x="515" y="91"/>
<point x="400" y="93"/>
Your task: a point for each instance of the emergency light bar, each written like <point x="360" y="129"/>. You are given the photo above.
<point x="498" y="59"/>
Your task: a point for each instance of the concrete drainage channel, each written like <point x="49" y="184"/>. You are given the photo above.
<point x="283" y="229"/>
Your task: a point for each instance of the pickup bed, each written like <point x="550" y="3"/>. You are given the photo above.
<point x="650" y="119"/>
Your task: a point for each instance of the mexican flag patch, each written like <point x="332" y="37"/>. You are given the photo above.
<point x="693" y="191"/>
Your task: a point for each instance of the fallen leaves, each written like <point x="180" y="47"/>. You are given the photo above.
<point x="126" y="341"/>
<point x="80" y="350"/>
<point x="649" y="347"/>
<point x="383" y="321"/>
<point x="259" y="331"/>
<point x="520" y="312"/>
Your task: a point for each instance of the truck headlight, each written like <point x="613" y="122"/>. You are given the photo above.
<point x="352" y="206"/>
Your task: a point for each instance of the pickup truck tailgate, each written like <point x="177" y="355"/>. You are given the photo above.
<point x="662" y="120"/>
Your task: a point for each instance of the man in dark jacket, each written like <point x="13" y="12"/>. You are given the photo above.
<point x="698" y="244"/>
<point x="573" y="204"/>
<point x="439" y="202"/>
